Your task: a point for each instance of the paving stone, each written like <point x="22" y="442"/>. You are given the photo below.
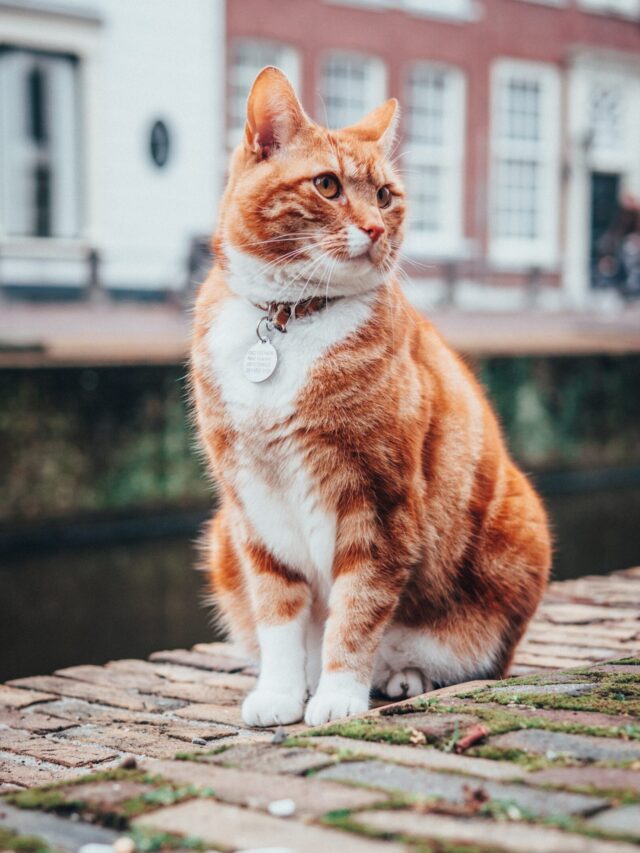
<point x="623" y="820"/>
<point x="230" y="714"/>
<point x="226" y="649"/>
<point x="427" y="757"/>
<point x="29" y="773"/>
<point x="264" y="757"/>
<point x="569" y="689"/>
<point x="547" y="661"/>
<point x="426" y="783"/>
<point x="58" y="751"/>
<point x="515" y="836"/>
<point x="432" y="725"/>
<point x="621" y="669"/>
<point x="104" y="794"/>
<point x="186" y="732"/>
<point x="200" y="660"/>
<point x="605" y="778"/>
<point x="176" y="673"/>
<point x="136" y="680"/>
<point x="87" y="712"/>
<point x="117" y="697"/>
<point x="581" y="747"/>
<point x="580" y="614"/>
<point x="12" y="697"/>
<point x="256" y="790"/>
<point x="620" y="631"/>
<point x="32" y="721"/>
<point x="566" y="650"/>
<point x="204" y="693"/>
<point x="58" y="832"/>
<point x="139" y="741"/>
<point x="562" y="715"/>
<point x="237" y="828"/>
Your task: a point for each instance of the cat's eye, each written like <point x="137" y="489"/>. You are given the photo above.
<point x="384" y="197"/>
<point x="327" y="185"/>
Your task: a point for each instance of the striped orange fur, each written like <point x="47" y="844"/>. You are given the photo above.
<point x="372" y="530"/>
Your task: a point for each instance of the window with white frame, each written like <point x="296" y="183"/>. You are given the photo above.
<point x="452" y="9"/>
<point x="525" y="163"/>
<point x="351" y="85"/>
<point x="455" y="9"/>
<point x="606" y="116"/>
<point x="248" y="57"/>
<point x="627" y="8"/>
<point x="433" y="159"/>
<point x="39" y="149"/>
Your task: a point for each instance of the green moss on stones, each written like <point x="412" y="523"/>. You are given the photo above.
<point x="366" y="729"/>
<point x="9" y="840"/>
<point x="166" y="795"/>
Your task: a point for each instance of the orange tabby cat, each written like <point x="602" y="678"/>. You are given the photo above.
<point x="372" y="529"/>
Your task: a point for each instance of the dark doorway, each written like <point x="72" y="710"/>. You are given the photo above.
<point x="606" y="269"/>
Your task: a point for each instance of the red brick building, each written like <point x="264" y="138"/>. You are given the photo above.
<point x="521" y="118"/>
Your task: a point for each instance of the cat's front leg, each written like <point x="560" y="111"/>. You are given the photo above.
<point x="280" y="603"/>
<point x="360" y="606"/>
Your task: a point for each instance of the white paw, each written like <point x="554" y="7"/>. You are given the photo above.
<point x="325" y="706"/>
<point x="404" y="684"/>
<point x="270" y="708"/>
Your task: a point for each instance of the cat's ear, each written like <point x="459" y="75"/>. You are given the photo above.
<point x="274" y="114"/>
<point x="379" y="125"/>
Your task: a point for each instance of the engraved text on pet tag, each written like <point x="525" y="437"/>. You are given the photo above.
<point x="260" y="361"/>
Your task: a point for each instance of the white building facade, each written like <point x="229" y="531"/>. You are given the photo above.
<point x="111" y="141"/>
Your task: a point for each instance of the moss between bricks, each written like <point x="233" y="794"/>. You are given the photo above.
<point x="344" y="820"/>
<point x="614" y="693"/>
<point x="57" y="798"/>
<point x="22" y="843"/>
<point x="366" y="729"/>
<point x="147" y="841"/>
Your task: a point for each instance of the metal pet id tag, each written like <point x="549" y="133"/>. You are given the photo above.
<point x="260" y="361"/>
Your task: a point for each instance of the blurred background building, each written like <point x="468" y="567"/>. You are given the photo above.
<point x="519" y="140"/>
<point x="520" y="147"/>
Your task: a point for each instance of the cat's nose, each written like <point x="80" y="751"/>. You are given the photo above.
<point x="373" y="232"/>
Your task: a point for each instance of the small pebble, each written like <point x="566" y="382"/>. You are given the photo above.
<point x="96" y="848"/>
<point x="279" y="736"/>
<point x="198" y="741"/>
<point x="282" y="808"/>
<point x="129" y="763"/>
<point x="124" y="845"/>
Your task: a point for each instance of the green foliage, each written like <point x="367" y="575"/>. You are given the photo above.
<point x="92" y="440"/>
<point x="9" y="840"/>
<point x="568" y="411"/>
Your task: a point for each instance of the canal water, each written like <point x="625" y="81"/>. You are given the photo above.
<point x="61" y="606"/>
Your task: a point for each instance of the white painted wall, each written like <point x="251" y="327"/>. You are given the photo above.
<point x="143" y="60"/>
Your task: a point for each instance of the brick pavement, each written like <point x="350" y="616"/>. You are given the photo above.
<point x="156" y="751"/>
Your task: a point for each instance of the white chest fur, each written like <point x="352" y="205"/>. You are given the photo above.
<point x="271" y="477"/>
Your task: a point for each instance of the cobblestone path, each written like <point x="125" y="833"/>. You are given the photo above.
<point x="152" y="755"/>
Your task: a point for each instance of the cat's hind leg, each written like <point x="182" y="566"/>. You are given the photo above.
<point x="406" y="683"/>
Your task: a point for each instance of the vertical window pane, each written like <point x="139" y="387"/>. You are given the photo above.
<point x="248" y="57"/>
<point x="517" y="199"/>
<point x="433" y="131"/>
<point x="521" y="110"/>
<point x="425" y="121"/>
<point x="348" y="89"/>
<point x="39" y="129"/>
<point x="606" y="117"/>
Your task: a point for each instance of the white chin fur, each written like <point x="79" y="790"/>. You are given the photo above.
<point x="261" y="281"/>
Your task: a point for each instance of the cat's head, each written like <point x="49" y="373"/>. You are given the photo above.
<point x="309" y="211"/>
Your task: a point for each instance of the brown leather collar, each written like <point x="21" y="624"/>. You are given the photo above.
<point x="279" y="313"/>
